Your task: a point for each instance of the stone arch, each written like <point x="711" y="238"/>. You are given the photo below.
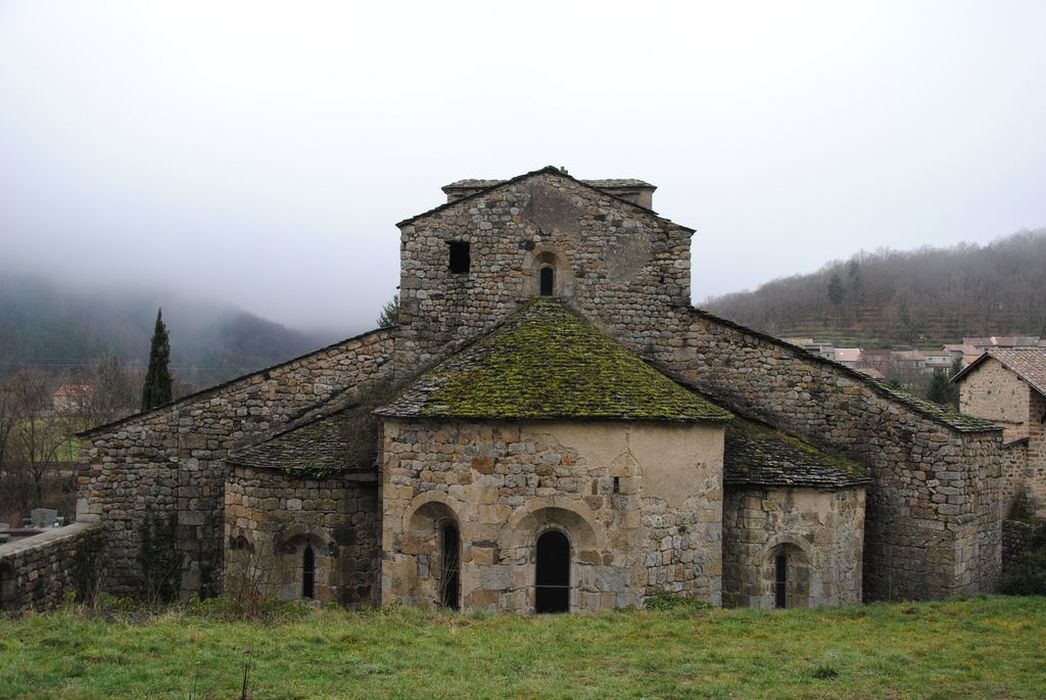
<point x="290" y="538"/>
<point x="789" y="560"/>
<point x="547" y="258"/>
<point x="589" y="547"/>
<point x="431" y="518"/>
<point x="589" y="541"/>
<point x="305" y="563"/>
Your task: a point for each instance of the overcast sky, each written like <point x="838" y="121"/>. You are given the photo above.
<point x="261" y="153"/>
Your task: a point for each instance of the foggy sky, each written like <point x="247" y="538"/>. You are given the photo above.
<point x="261" y="153"/>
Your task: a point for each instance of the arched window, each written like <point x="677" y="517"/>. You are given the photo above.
<point x="781" y="580"/>
<point x="547" y="281"/>
<point x="450" y="573"/>
<point x="788" y="576"/>
<point x="308" y="573"/>
<point x="552" y="573"/>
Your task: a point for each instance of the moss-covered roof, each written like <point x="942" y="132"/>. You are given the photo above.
<point x="756" y="454"/>
<point x="547" y="362"/>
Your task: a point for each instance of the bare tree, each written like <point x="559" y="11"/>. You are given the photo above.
<point x="38" y="437"/>
<point x="109" y="390"/>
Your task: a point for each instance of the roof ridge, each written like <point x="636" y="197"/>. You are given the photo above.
<point x="547" y="170"/>
<point x="955" y="421"/>
<point x="212" y="389"/>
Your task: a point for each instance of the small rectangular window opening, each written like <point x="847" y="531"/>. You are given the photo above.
<point x="459" y="257"/>
<point x="617" y="484"/>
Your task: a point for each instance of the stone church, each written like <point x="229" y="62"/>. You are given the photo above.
<point x="551" y="426"/>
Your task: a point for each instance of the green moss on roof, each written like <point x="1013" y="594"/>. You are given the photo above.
<point x="547" y="362"/>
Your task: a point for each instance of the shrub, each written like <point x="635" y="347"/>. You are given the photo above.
<point x="667" y="600"/>
<point x="1028" y="575"/>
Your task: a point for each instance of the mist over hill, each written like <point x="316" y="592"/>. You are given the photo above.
<point x="48" y="324"/>
<point x="895" y="298"/>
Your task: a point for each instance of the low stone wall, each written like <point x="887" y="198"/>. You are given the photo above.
<point x="36" y="573"/>
<point x="820" y="533"/>
<point x="1018" y="537"/>
<point x="157" y="478"/>
<point x="271" y="517"/>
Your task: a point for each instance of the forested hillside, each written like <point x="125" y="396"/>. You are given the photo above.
<point x="47" y="325"/>
<point x="893" y="298"/>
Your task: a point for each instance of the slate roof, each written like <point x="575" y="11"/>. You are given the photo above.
<point x="757" y="455"/>
<point x="1027" y="363"/>
<point x="341" y="440"/>
<point x="547" y="362"/>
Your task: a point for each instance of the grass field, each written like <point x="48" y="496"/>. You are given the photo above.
<point x="977" y="648"/>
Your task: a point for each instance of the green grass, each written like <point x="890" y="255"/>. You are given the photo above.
<point x="981" y="647"/>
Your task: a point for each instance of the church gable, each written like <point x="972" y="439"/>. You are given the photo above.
<point x="472" y="262"/>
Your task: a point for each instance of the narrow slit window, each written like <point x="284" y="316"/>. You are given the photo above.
<point x="450" y="576"/>
<point x="460" y="260"/>
<point x="547" y="281"/>
<point x="617" y="484"/>
<point x="308" y="573"/>
<point x="781" y="581"/>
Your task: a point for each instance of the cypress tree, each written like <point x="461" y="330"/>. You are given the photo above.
<point x="390" y="313"/>
<point x="157" y="388"/>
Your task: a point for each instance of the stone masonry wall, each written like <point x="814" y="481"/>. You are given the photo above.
<point x="1018" y="538"/>
<point x="161" y="475"/>
<point x="995" y="393"/>
<point x="933" y="524"/>
<point x="36" y="573"/>
<point x="821" y="532"/>
<point x="1014" y="481"/>
<point x="640" y="503"/>
<point x="933" y="519"/>
<point x="270" y="517"/>
<point x="615" y="262"/>
<point x="1035" y="470"/>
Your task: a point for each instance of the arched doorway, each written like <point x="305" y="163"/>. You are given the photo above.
<point x="552" y="573"/>
<point x="450" y="575"/>
<point x="547" y="281"/>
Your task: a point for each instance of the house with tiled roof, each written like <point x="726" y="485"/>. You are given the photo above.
<point x="551" y="426"/>
<point x="1007" y="385"/>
